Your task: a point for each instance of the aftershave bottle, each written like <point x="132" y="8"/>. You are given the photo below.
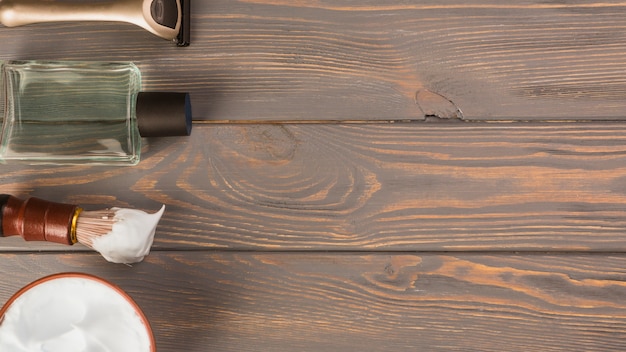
<point x="60" y="112"/>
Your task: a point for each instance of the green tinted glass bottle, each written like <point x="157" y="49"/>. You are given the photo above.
<point x="82" y="112"/>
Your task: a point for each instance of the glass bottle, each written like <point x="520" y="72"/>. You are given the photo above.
<point x="59" y="112"/>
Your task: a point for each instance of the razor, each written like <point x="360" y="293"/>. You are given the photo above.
<point x="168" y="19"/>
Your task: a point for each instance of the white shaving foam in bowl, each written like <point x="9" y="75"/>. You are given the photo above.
<point x="73" y="313"/>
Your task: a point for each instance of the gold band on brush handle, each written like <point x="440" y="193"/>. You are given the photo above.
<point x="74" y="225"/>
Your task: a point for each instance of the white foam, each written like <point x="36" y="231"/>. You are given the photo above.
<point x="131" y="237"/>
<point x="73" y="314"/>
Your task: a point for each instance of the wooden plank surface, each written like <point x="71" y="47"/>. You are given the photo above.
<point x="362" y="236"/>
<point x="204" y="301"/>
<point x="349" y="59"/>
<point x="413" y="186"/>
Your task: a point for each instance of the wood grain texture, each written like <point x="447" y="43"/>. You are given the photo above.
<point x="413" y="186"/>
<point x="349" y="59"/>
<point x="199" y="301"/>
<point x="361" y="236"/>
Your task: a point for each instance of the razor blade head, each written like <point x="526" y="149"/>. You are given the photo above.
<point x="184" y="35"/>
<point x="168" y="16"/>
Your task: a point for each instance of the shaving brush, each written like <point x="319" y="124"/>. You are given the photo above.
<point x="120" y="235"/>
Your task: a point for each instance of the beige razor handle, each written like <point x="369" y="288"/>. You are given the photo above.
<point x="143" y="13"/>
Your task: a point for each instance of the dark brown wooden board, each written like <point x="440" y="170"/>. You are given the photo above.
<point x="203" y="301"/>
<point x="334" y="236"/>
<point x="408" y="186"/>
<point x="355" y="59"/>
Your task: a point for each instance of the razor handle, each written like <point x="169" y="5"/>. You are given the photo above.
<point x="163" y="18"/>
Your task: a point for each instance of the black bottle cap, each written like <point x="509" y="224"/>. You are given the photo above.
<point x="163" y="114"/>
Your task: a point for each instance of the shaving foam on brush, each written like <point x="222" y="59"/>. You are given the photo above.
<point x="119" y="235"/>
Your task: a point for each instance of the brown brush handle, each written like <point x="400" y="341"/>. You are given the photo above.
<point x="36" y="219"/>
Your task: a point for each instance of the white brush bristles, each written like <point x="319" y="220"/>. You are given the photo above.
<point x="119" y="235"/>
<point x="93" y="224"/>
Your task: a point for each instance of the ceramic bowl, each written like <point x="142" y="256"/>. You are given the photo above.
<point x="105" y="285"/>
